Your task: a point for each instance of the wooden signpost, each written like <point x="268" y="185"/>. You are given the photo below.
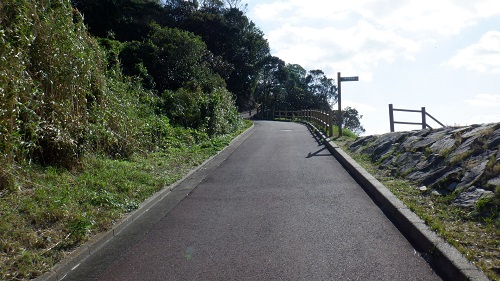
<point x="339" y="91"/>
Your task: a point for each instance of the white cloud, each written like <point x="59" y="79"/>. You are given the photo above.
<point x="363" y="33"/>
<point x="482" y="119"/>
<point x="484" y="100"/>
<point x="484" y="56"/>
<point x="362" y="108"/>
<point x="357" y="48"/>
<point x="441" y="16"/>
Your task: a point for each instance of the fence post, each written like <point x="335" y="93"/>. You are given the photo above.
<point x="391" y="117"/>
<point x="330" y="122"/>
<point x="324" y="119"/>
<point x="424" y="124"/>
<point x="339" y="99"/>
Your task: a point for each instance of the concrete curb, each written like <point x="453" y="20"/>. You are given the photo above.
<point x="444" y="258"/>
<point x="60" y="270"/>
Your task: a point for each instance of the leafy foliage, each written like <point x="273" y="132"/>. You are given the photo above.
<point x="58" y="69"/>
<point x="212" y="113"/>
<point x="64" y="96"/>
<point x="123" y="20"/>
<point x="147" y="78"/>
<point x="237" y="45"/>
<point x="173" y="58"/>
<point x="350" y="120"/>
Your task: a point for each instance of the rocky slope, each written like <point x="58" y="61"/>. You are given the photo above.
<point x="464" y="161"/>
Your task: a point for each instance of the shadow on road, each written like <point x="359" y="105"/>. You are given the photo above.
<point x="309" y="155"/>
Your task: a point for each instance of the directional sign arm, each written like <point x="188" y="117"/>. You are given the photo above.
<point x="347" y="79"/>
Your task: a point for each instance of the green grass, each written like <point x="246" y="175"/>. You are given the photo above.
<point x="56" y="210"/>
<point x="476" y="236"/>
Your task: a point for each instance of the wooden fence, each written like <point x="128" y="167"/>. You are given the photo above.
<point x="423" y="113"/>
<point x="320" y="118"/>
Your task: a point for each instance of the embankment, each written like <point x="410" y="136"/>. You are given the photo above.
<point x="464" y="161"/>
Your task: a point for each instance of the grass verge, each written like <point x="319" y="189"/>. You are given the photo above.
<point x="476" y="237"/>
<point x="56" y="210"/>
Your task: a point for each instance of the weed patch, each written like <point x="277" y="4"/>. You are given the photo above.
<point x="56" y="210"/>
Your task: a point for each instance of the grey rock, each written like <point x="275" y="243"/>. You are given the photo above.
<point x="416" y="176"/>
<point x="494" y="140"/>
<point x="465" y="147"/>
<point x="361" y="141"/>
<point x="469" y="198"/>
<point x="452" y="186"/>
<point x="407" y="161"/>
<point x="382" y="145"/>
<point x="382" y="151"/>
<point x="445" y="143"/>
<point x="479" y="130"/>
<point x="494" y="181"/>
<point x="422" y="133"/>
<point x="427" y="178"/>
<point x="439" y="192"/>
<point x="429" y="140"/>
<point x="407" y="154"/>
<point x="478" y="166"/>
<point x="431" y="162"/>
<point x="448" y="178"/>
<point x="407" y="144"/>
<point x="388" y="162"/>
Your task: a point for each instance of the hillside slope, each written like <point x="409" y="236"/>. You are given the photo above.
<point x="464" y="161"/>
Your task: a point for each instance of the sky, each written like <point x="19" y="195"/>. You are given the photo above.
<point x="443" y="55"/>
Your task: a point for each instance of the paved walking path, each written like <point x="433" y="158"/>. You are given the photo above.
<point x="280" y="207"/>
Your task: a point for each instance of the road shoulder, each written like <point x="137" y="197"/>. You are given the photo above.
<point x="150" y="211"/>
<point x="442" y="256"/>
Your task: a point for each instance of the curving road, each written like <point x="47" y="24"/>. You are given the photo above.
<point x="279" y="207"/>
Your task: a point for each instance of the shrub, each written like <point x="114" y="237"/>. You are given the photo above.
<point x="213" y="113"/>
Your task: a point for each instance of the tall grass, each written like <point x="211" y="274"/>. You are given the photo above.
<point x="58" y="99"/>
<point x="80" y="143"/>
<point x="51" y="70"/>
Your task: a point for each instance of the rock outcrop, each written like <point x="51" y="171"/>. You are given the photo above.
<point x="464" y="161"/>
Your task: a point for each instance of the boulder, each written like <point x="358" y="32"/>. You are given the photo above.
<point x="427" y="178"/>
<point x="479" y="130"/>
<point x="445" y="143"/>
<point x="430" y="139"/>
<point x="494" y="140"/>
<point x="407" y="161"/>
<point x="477" y="167"/>
<point x="430" y="162"/>
<point x="361" y="141"/>
<point x="469" y="198"/>
<point x="448" y="178"/>
<point x="407" y="144"/>
<point x="466" y="147"/>
<point x="494" y="182"/>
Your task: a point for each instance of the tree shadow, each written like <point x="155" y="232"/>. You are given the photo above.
<point x="317" y="153"/>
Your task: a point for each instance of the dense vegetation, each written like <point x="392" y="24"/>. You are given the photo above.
<point x="104" y="102"/>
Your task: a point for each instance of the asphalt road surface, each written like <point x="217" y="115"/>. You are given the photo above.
<point x="279" y="207"/>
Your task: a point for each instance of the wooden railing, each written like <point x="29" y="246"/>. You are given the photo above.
<point x="320" y="118"/>
<point x="423" y="113"/>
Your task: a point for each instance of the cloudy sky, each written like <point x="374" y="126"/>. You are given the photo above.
<point x="442" y="54"/>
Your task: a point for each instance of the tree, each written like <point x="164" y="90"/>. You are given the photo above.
<point x="322" y="88"/>
<point x="173" y="58"/>
<point x="271" y="91"/>
<point x="298" y="97"/>
<point x="124" y="20"/>
<point x="231" y="37"/>
<point x="351" y="120"/>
